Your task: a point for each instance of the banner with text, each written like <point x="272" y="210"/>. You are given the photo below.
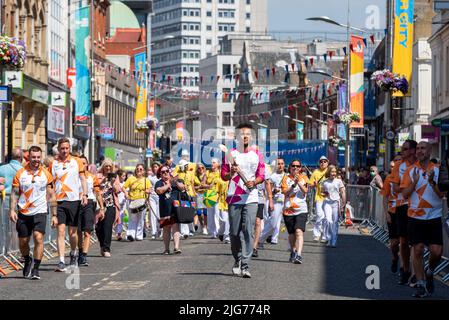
<point x="357" y="79"/>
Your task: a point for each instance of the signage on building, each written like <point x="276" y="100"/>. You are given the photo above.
<point x="390" y="135"/>
<point x="107" y="133"/>
<point x="55" y="120"/>
<point x="5" y="94"/>
<point x="14" y="79"/>
<point x="402" y="137"/>
<point x="343" y="98"/>
<point x="357" y="67"/>
<point x="149" y="153"/>
<point x="403" y="40"/>
<point x="40" y="96"/>
<point x="382" y="148"/>
<point x="430" y="132"/>
<point x="299" y="131"/>
<point x="58" y="99"/>
<point x="71" y="78"/>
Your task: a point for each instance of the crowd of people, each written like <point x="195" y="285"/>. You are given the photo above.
<point x="413" y="205"/>
<point x="252" y="200"/>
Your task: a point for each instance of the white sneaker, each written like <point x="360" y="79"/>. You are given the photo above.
<point x="205" y="232"/>
<point x="246" y="274"/>
<point x="316" y="239"/>
<point x="236" y="270"/>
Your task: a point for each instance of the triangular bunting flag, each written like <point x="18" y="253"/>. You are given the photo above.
<point x="365" y="42"/>
<point x="372" y="38"/>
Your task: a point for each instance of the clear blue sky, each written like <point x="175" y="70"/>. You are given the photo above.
<point x="290" y="15"/>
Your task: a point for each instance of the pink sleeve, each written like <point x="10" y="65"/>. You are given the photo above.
<point x="225" y="168"/>
<point x="260" y="172"/>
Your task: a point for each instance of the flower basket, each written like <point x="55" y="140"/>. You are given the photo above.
<point x="346" y="117"/>
<point x="389" y="81"/>
<point x="12" y="53"/>
<point x="334" y="141"/>
<point x="147" y="124"/>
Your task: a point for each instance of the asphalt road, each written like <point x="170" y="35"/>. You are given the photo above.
<point x="137" y="270"/>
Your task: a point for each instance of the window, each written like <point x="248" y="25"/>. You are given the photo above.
<point x="192" y="13"/>
<point x="197" y="27"/>
<point x="192" y="27"/>
<point x="220" y="28"/>
<point x="226" y="69"/>
<point x="248" y="1"/>
<point x="220" y="14"/>
<point x="209" y="1"/>
<point x="184" y="27"/>
<point x="226" y="119"/>
<point x="192" y="41"/>
<point x="192" y="69"/>
<point x="209" y="13"/>
<point x="248" y="15"/>
<point x="248" y="29"/>
<point x="184" y="69"/>
<point x="226" y="97"/>
<point x="209" y="41"/>
<point x="232" y="28"/>
<point x="209" y="28"/>
<point x="184" y="55"/>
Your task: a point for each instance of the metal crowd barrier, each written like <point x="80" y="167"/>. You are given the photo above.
<point x="368" y="208"/>
<point x="10" y="257"/>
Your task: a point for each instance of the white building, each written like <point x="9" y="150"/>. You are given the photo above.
<point x="185" y="31"/>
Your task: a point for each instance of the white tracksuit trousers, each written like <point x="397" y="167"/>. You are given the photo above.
<point x="223" y="224"/>
<point x="320" y="217"/>
<point x="331" y="222"/>
<point x="154" y="215"/>
<point x="273" y="224"/>
<point x="213" y="217"/>
<point x="136" y="222"/>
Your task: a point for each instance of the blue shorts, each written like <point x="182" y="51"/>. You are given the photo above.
<point x="200" y="212"/>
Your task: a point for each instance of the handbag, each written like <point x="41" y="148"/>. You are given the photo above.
<point x="183" y="208"/>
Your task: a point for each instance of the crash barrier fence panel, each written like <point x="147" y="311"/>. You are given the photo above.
<point x="367" y="204"/>
<point x="10" y="257"/>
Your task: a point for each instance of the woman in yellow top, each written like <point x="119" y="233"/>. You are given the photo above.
<point x="136" y="189"/>
<point x="200" y="188"/>
<point x="223" y="216"/>
<point x="212" y="181"/>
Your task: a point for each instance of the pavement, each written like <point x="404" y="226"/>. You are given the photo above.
<point x="138" y="270"/>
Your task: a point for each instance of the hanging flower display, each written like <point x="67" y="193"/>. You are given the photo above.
<point x="389" y="81"/>
<point x="346" y="117"/>
<point x="12" y="52"/>
<point x="334" y="141"/>
<point x="150" y="123"/>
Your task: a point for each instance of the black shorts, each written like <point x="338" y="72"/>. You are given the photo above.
<point x="87" y="217"/>
<point x="425" y="231"/>
<point x="393" y="226"/>
<point x="402" y="220"/>
<point x="27" y="224"/>
<point x="69" y="212"/>
<point x="292" y="223"/>
<point x="260" y="208"/>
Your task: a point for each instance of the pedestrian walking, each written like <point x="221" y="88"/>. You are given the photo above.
<point x="316" y="180"/>
<point x="244" y="173"/>
<point x="110" y="188"/>
<point x="212" y="181"/>
<point x="137" y="188"/>
<point x="294" y="187"/>
<point x="87" y="214"/>
<point x="334" y="194"/>
<point x="32" y="191"/>
<point x="69" y="175"/>
<point x="167" y="190"/>
<point x="200" y="188"/>
<point x="123" y="205"/>
<point x="154" y="201"/>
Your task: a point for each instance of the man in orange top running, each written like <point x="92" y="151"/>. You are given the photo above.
<point x="408" y="154"/>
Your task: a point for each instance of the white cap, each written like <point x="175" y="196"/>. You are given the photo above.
<point x="185" y="153"/>
<point x="324" y="158"/>
<point x="183" y="163"/>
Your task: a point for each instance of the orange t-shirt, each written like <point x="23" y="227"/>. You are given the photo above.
<point x="387" y="191"/>
<point x="396" y="178"/>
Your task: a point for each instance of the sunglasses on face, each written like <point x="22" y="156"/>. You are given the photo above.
<point x="295" y="166"/>
<point x="164" y="171"/>
<point x="323" y="161"/>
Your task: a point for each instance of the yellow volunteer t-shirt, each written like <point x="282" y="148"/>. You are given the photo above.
<point x="137" y="187"/>
<point x="213" y="178"/>
<point x="222" y="187"/>
<point x="318" y="177"/>
<point x="188" y="177"/>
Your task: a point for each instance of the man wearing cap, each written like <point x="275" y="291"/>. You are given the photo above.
<point x="186" y="171"/>
<point x="316" y="181"/>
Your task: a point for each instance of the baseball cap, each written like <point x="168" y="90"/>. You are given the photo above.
<point x="183" y="163"/>
<point x="324" y="158"/>
<point x="185" y="153"/>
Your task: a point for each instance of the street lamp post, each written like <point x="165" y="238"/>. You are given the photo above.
<point x="348" y="80"/>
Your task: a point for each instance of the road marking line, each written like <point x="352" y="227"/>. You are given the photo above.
<point x="87" y="289"/>
<point x="115" y="273"/>
<point x="96" y="284"/>
<point x="105" y="279"/>
<point x="77" y="295"/>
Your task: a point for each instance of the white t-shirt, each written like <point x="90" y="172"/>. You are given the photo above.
<point x="332" y="187"/>
<point x="153" y="180"/>
<point x="276" y="179"/>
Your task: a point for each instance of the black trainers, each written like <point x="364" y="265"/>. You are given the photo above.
<point x="404" y="278"/>
<point x="269" y="239"/>
<point x="166" y="252"/>
<point x="420" y="291"/>
<point x="82" y="260"/>
<point x="35" y="274"/>
<point x="394" y="266"/>
<point x="292" y="256"/>
<point x="430" y="286"/>
<point x="413" y="282"/>
<point x="130" y="238"/>
<point x="255" y="253"/>
<point x="61" y="267"/>
<point x="221" y="238"/>
<point x="298" y="259"/>
<point x="27" y="267"/>
<point x="73" y="261"/>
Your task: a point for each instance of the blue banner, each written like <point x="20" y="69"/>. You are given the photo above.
<point x="343" y="98"/>
<point x="82" y="53"/>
